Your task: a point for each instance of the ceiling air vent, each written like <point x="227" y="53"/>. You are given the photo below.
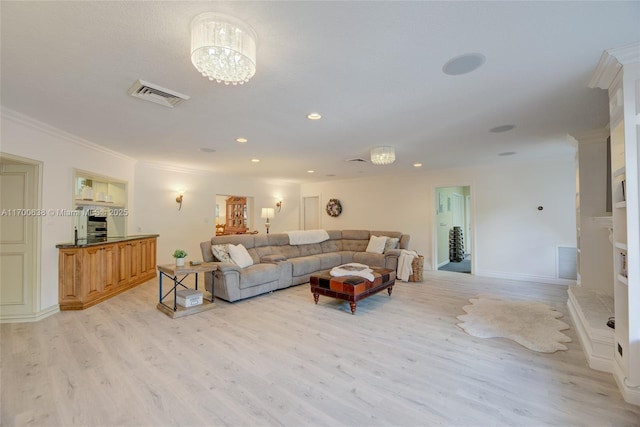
<point x="157" y="94"/>
<point x="356" y="160"/>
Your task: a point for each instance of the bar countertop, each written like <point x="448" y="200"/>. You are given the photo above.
<point x="83" y="243"/>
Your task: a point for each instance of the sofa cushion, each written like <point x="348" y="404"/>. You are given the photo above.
<point x="278" y="239"/>
<point x="258" y="274"/>
<point x="329" y="260"/>
<point x="240" y="256"/>
<point x="305" y="265"/>
<point x="357" y="234"/>
<point x="331" y="246"/>
<point x="289" y="251"/>
<point x="310" y="249"/>
<point x="221" y="253"/>
<point x="370" y="259"/>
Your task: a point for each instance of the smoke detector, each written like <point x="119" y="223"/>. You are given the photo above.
<point x="158" y="94"/>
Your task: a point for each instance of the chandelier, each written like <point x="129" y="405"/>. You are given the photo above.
<point x="384" y="155"/>
<point x="223" y="48"/>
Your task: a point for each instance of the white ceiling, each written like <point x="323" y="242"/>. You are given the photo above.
<point x="372" y="69"/>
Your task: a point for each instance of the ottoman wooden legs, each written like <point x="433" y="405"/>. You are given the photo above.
<point x="352" y="304"/>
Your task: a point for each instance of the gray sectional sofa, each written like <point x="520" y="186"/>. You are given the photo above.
<point x="278" y="265"/>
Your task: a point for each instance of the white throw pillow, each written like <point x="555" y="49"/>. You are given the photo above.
<point x="240" y="256"/>
<point x="376" y="244"/>
<point x="221" y="253"/>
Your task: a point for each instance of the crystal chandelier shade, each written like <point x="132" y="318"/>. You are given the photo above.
<point x="383" y="155"/>
<point x="223" y="48"/>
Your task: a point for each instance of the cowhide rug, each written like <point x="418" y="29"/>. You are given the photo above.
<point x="531" y="324"/>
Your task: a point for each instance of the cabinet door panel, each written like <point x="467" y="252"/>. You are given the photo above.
<point x="110" y="267"/>
<point x="151" y="254"/>
<point x="144" y="256"/>
<point x="122" y="277"/>
<point x="69" y="272"/>
<point x="93" y="266"/>
<point x="134" y="270"/>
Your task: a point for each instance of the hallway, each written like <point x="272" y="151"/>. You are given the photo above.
<point x="458" y="267"/>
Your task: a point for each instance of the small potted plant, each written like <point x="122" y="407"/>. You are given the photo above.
<point x="179" y="255"/>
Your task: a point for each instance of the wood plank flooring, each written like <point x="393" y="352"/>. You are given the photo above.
<point x="281" y="360"/>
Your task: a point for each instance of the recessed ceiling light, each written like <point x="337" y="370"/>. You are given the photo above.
<point x="207" y="149"/>
<point x="310" y="171"/>
<point x="255" y="160"/>
<point x="507" y="153"/>
<point x="417" y="165"/>
<point x="314" y="116"/>
<point x="503" y="128"/>
<point x="463" y="64"/>
<point x="241" y="140"/>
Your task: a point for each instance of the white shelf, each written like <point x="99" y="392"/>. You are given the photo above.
<point x="80" y="202"/>
<point x="604" y="221"/>
<point x="620" y="205"/>
<point x="620" y="245"/>
<point x="620" y="171"/>
<point x="622" y="279"/>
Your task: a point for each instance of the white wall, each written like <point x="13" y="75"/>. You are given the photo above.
<point x="59" y="153"/>
<point x="511" y="237"/>
<point x="157" y="211"/>
<point x="152" y="193"/>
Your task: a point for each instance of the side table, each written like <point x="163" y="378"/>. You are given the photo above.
<point x="172" y="272"/>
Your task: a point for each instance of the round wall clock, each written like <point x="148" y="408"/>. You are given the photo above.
<point x="334" y="208"/>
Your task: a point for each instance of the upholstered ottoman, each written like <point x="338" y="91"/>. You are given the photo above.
<point x="351" y="288"/>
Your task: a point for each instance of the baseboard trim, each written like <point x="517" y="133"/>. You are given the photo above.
<point x="31" y="317"/>
<point x="596" y="361"/>
<point x="524" y="277"/>
<point x="630" y="395"/>
<point x="444" y="263"/>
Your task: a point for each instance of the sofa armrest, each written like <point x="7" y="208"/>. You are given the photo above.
<point x="225" y="267"/>
<point x="393" y="252"/>
<point x="273" y="258"/>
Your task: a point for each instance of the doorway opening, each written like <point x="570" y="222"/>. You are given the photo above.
<point x="453" y="229"/>
<point x="234" y="215"/>
<point x="310" y="212"/>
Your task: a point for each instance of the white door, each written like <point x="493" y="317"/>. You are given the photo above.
<point x="467" y="224"/>
<point x="18" y="227"/>
<point x="311" y="220"/>
<point x="457" y="210"/>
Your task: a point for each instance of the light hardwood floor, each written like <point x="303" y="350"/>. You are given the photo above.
<point x="281" y="360"/>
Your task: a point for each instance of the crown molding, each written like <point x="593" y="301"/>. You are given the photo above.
<point x="611" y="62"/>
<point x="592" y="136"/>
<point x="32" y="123"/>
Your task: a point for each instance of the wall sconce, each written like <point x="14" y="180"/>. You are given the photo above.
<point x="279" y="205"/>
<point x="179" y="200"/>
<point x="267" y="213"/>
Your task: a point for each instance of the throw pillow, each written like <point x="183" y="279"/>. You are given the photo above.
<point x="376" y="244"/>
<point x="392" y="243"/>
<point x="240" y="256"/>
<point x="221" y="253"/>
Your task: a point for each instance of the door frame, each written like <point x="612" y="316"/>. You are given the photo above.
<point x="303" y="209"/>
<point x="435" y="224"/>
<point x="37" y="245"/>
